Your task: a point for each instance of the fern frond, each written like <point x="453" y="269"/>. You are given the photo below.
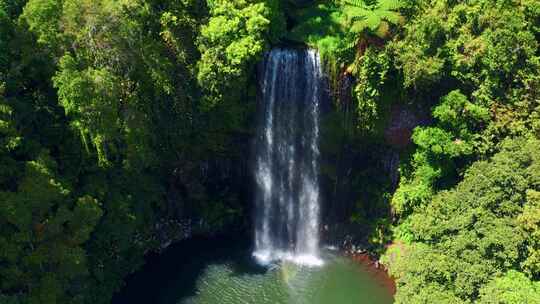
<point x="358" y="27"/>
<point x="356" y="3"/>
<point x="390" y="5"/>
<point x="354" y="11"/>
<point x="391" y="17"/>
<point x="373" y="21"/>
<point x="347" y="47"/>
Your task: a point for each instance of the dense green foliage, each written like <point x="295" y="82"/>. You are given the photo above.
<point x="465" y="212"/>
<point x="468" y="236"/>
<point x="337" y="27"/>
<point x="105" y="105"/>
<point x="466" y="206"/>
<point x="100" y="103"/>
<point x="234" y="38"/>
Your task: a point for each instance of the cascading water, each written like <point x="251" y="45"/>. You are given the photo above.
<point x="287" y="152"/>
<point x="287" y="220"/>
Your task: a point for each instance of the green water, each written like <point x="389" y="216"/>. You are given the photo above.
<point x="223" y="272"/>
<point x="339" y="281"/>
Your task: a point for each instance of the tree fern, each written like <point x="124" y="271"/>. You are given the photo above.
<point x="392" y="17"/>
<point x="362" y="16"/>
<point x="338" y="26"/>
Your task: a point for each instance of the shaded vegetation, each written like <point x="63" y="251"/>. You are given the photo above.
<point x="112" y="113"/>
<point x="464" y="214"/>
<point x="101" y="103"/>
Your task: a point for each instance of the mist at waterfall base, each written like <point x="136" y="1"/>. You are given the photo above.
<point x="287" y="153"/>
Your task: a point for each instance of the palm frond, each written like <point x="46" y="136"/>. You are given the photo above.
<point x="356" y="11"/>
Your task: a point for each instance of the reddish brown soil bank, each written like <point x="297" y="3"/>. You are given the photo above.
<point x="377" y="270"/>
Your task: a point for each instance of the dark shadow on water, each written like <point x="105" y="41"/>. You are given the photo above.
<point x="246" y="265"/>
<point x="172" y="276"/>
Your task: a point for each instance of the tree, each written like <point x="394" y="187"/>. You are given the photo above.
<point x="442" y="148"/>
<point x="366" y="18"/>
<point x="335" y="27"/>
<point x="465" y="237"/>
<point x="512" y="288"/>
<point x="232" y="41"/>
<point x="42" y="236"/>
<point x="529" y="221"/>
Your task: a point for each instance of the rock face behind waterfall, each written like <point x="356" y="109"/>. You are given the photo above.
<point x="287" y="157"/>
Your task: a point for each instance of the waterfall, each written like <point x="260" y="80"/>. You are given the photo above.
<point x="287" y="153"/>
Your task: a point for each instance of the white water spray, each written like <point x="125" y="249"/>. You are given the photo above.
<point x="287" y="158"/>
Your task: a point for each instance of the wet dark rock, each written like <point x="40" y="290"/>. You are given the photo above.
<point x="402" y="122"/>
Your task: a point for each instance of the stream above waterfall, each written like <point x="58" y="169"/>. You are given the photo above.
<point x="222" y="271"/>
